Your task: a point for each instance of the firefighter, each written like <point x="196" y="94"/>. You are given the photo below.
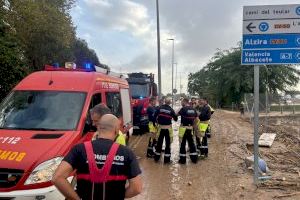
<point x="164" y="115"/>
<point x="193" y="102"/>
<point x="188" y="115"/>
<point x="96" y="113"/>
<point x="202" y="125"/>
<point x="152" y="126"/>
<point x="105" y="170"/>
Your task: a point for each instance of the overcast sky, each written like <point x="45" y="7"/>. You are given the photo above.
<point x="123" y="32"/>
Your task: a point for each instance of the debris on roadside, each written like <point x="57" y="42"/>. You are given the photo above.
<point x="266" y="139"/>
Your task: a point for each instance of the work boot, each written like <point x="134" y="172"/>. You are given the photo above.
<point x="167" y="160"/>
<point x="156" y="158"/>
<point x="182" y="161"/>
<point x="150" y="152"/>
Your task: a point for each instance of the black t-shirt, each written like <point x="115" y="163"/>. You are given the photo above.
<point x="151" y="111"/>
<point x="125" y="163"/>
<point x="205" y="113"/>
<point x="164" y="115"/>
<point x="188" y="115"/>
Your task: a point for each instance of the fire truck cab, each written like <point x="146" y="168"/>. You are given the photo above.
<point x="44" y="116"/>
<point x="142" y="88"/>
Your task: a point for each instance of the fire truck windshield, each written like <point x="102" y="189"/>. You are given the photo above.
<point x="139" y="90"/>
<point x="41" y="110"/>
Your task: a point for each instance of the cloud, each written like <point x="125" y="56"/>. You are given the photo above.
<point x="123" y="33"/>
<point x="118" y="15"/>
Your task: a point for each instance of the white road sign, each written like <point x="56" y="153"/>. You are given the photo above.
<point x="271" y="26"/>
<point x="271" y="12"/>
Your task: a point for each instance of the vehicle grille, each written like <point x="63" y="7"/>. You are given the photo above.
<point x="10" y="177"/>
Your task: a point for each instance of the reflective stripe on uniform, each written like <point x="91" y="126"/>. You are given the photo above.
<point x="158" y="154"/>
<point x="167" y="155"/>
<point x="203" y="147"/>
<point x="194" y="154"/>
<point x="164" y="115"/>
<point x="182" y="155"/>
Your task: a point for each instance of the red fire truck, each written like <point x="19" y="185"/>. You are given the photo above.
<point x="142" y="88"/>
<point x="44" y="116"/>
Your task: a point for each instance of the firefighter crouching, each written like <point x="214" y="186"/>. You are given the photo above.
<point x="201" y="126"/>
<point x="164" y="115"/>
<point x="152" y="127"/>
<point x="188" y="115"/>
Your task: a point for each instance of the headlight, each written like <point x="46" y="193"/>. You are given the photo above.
<point x="44" y="171"/>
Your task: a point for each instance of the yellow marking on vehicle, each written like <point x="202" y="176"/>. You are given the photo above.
<point x="12" y="155"/>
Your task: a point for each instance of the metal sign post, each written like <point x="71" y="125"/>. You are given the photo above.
<point x="256" y="121"/>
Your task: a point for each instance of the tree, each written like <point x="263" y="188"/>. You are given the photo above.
<point x="11" y="63"/>
<point x="225" y="80"/>
<point x="44" y="29"/>
<point x="34" y="33"/>
<point x="83" y="54"/>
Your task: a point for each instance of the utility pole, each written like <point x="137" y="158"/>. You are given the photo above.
<point x="180" y="86"/>
<point x="172" y="39"/>
<point x="158" y="50"/>
<point x="175" y="75"/>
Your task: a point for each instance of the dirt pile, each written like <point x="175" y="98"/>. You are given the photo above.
<point x="283" y="157"/>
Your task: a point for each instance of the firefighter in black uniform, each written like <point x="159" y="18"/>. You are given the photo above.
<point x="201" y="138"/>
<point x="164" y="115"/>
<point x="152" y="127"/>
<point x="188" y="115"/>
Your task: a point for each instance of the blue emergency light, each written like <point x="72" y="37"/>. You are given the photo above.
<point x="88" y="66"/>
<point x="56" y="65"/>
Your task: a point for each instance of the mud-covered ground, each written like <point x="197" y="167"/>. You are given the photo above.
<point x="224" y="175"/>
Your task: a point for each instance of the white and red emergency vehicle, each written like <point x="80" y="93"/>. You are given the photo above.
<point x="44" y="116"/>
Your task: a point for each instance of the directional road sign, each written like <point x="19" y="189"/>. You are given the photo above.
<point x="271" y="34"/>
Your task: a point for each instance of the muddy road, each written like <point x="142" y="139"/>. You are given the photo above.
<point x="223" y="175"/>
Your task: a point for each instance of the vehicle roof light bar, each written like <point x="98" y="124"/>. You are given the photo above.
<point x="89" y="68"/>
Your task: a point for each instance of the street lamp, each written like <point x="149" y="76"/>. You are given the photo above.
<point x="175" y="75"/>
<point x="158" y="50"/>
<point x="172" y="39"/>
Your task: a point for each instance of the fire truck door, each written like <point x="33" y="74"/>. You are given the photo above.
<point x="126" y="106"/>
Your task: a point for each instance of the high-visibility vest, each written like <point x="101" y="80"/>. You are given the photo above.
<point x="182" y="130"/>
<point x="121" y="139"/>
<point x="152" y="128"/>
<point x="169" y="127"/>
